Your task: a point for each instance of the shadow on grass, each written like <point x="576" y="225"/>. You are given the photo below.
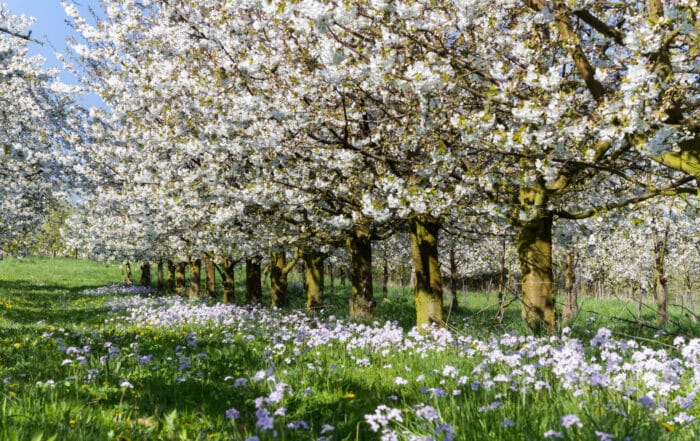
<point x="25" y="302"/>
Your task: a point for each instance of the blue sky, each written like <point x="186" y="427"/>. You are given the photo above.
<point x="51" y="28"/>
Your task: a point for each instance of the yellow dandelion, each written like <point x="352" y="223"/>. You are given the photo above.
<point x="667" y="426"/>
<point x="13" y="393"/>
<point x="349" y="395"/>
<point x="71" y="422"/>
<point x="17" y="345"/>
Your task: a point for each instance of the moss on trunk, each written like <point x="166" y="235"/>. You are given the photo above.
<point x="362" y="301"/>
<point x="428" y="281"/>
<point x="195" y="278"/>
<point x="534" y="244"/>
<point x="313" y="262"/>
<point x="128" y="275"/>
<point x="210" y="278"/>
<point x="180" y="283"/>
<point x="279" y="270"/>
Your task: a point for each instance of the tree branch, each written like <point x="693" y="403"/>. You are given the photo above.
<point x="27" y="36"/>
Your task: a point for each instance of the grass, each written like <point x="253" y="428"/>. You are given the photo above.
<point x="79" y="366"/>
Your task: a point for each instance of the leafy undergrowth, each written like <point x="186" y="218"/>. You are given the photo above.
<point x="116" y="364"/>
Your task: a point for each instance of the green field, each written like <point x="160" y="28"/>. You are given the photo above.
<point x="79" y="363"/>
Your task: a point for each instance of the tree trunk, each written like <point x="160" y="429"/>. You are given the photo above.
<point x="502" y="283"/>
<point x="180" y="283"/>
<point x="228" y="281"/>
<point x="661" y="295"/>
<point x="145" y="275"/>
<point x="385" y="277"/>
<point x="279" y="271"/>
<point x="302" y="274"/>
<point x="128" y="276"/>
<point x="160" y="283"/>
<point x="571" y="308"/>
<point x="453" y="280"/>
<point x="195" y="278"/>
<point x="361" y="293"/>
<point x="660" y="241"/>
<point x="331" y="273"/>
<point x="343" y="277"/>
<point x="313" y="261"/>
<point x="535" y="254"/>
<point x="253" y="282"/>
<point x="428" y="281"/>
<point x="172" y="269"/>
<point x="210" y="278"/>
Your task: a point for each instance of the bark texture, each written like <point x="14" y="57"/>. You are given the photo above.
<point x="253" y="282"/>
<point x="535" y="255"/>
<point x="160" y="283"/>
<point x="362" y="291"/>
<point x="210" y="278"/>
<point x="229" y="281"/>
<point x="145" y="275"/>
<point x="180" y="283"/>
<point x="279" y="271"/>
<point x="428" y="281"/>
<point x="313" y="261"/>
<point x="195" y="278"/>
<point x="571" y="307"/>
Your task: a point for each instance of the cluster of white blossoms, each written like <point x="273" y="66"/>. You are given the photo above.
<point x="35" y="160"/>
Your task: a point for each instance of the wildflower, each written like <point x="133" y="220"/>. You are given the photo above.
<point x="300" y="424"/>
<point x="646" y="400"/>
<point x="427" y="413"/>
<point x="389" y="435"/>
<point x="17" y="345"/>
<point x="71" y="422"/>
<point x="602" y="436"/>
<point x="667" y="426"/>
<point x="126" y="384"/>
<point x="264" y="420"/>
<point x="399" y="381"/>
<point x="382" y="416"/>
<point x="493" y="406"/>
<point x="326" y="428"/>
<point x="553" y="434"/>
<point x="349" y="396"/>
<point x="507" y="423"/>
<point x="437" y="392"/>
<point x="450" y="371"/>
<point x="232" y="414"/>
<point x="683" y="418"/>
<point x="448" y="431"/>
<point x="570" y="420"/>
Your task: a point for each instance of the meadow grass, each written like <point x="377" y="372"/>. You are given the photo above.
<point x="82" y="363"/>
